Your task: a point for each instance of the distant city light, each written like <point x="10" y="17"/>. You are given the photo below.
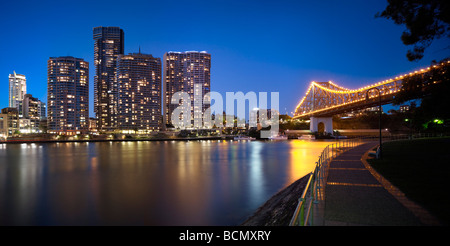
<point x="438" y="121"/>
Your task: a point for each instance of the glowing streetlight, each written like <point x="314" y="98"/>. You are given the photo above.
<point x="379" y="97"/>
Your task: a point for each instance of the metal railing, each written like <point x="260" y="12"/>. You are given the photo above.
<point x="313" y="191"/>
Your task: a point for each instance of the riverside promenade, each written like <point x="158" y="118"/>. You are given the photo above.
<point x="355" y="195"/>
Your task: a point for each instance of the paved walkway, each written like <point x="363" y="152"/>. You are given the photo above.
<point x="356" y="195"/>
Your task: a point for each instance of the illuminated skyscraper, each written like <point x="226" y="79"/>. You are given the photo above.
<point x="32" y="110"/>
<point x="108" y="45"/>
<point x="68" y="95"/>
<point x="139" y="92"/>
<point x="17" y="89"/>
<point x="189" y="72"/>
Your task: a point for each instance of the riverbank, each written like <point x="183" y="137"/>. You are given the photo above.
<point x="20" y="141"/>
<point x="278" y="210"/>
<point x="403" y="164"/>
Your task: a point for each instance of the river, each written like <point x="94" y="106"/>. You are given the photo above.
<point x="166" y="183"/>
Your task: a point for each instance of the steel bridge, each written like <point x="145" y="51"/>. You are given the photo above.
<point x="325" y="99"/>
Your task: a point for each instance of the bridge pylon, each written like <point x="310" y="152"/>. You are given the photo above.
<point x="318" y="122"/>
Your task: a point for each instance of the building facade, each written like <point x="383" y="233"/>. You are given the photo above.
<point x="25" y="126"/>
<point x="12" y="120"/>
<point x="3" y="126"/>
<point x="189" y="72"/>
<point x="33" y="111"/>
<point x="93" y="125"/>
<point x="17" y="89"/>
<point x="108" y="45"/>
<point x="31" y="108"/>
<point x="138" y="80"/>
<point x="42" y="107"/>
<point x="404" y="108"/>
<point x="68" y="95"/>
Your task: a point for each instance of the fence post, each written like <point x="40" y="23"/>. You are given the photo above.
<point x="311" y="191"/>
<point x="302" y="212"/>
<point x="335" y="150"/>
<point x="332" y="150"/>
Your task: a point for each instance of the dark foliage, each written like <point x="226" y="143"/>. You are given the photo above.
<point x="433" y="88"/>
<point x="425" y="21"/>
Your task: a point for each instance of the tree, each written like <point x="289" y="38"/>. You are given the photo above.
<point x="433" y="89"/>
<point x="425" y="21"/>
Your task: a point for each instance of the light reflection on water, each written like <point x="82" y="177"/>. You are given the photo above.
<point x="147" y="183"/>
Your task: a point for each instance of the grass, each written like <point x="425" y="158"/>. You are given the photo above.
<point x="420" y="168"/>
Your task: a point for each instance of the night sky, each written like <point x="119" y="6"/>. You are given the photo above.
<point x="261" y="46"/>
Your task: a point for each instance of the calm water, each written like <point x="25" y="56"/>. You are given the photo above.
<point x="146" y="183"/>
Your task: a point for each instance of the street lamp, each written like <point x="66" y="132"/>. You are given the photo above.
<point x="379" y="97"/>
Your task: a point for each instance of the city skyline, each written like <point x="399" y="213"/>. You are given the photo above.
<point x="257" y="46"/>
<point x="224" y="113"/>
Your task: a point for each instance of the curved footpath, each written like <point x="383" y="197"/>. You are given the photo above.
<point x="354" y="195"/>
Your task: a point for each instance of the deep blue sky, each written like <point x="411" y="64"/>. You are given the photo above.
<point x="272" y="46"/>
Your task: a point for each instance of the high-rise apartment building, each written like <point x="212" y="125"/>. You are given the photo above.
<point x="31" y="108"/>
<point x="17" y="89"/>
<point x="188" y="72"/>
<point x="138" y="80"/>
<point x="108" y="45"/>
<point x="68" y="95"/>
